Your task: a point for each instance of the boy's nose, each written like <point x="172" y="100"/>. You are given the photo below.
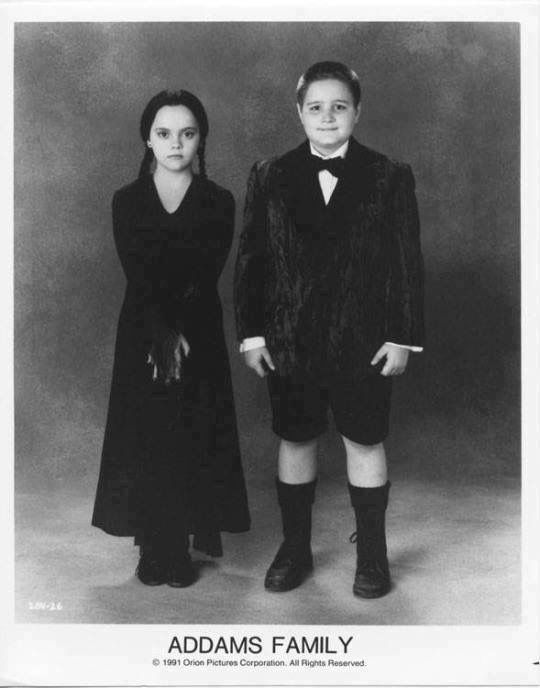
<point x="328" y="115"/>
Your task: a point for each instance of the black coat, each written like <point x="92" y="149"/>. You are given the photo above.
<point x="170" y="457"/>
<point x="328" y="285"/>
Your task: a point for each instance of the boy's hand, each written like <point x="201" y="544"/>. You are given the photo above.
<point x="259" y="360"/>
<point x="396" y="359"/>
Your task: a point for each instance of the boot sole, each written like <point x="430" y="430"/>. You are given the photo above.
<point x="152" y="583"/>
<point x="271" y="587"/>
<point x="181" y="585"/>
<point x="371" y="595"/>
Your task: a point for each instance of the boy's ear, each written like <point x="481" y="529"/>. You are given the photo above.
<point x="299" y="110"/>
<point x="358" y="111"/>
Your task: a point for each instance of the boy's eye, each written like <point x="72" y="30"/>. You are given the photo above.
<point x="340" y="106"/>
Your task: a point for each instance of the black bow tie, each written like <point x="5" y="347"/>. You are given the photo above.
<point x="335" y="166"/>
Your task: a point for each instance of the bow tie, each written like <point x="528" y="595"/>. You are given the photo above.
<point x="335" y="166"/>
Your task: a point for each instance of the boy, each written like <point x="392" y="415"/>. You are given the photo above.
<point x="329" y="294"/>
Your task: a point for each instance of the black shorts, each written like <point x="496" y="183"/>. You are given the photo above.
<point x="361" y="408"/>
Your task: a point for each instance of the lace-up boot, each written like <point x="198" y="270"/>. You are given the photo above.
<point x="294" y="560"/>
<point x="372" y="578"/>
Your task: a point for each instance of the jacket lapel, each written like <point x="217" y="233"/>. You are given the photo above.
<point x="299" y="188"/>
<point x="358" y="185"/>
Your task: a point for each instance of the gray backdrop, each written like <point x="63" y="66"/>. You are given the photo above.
<point x="443" y="97"/>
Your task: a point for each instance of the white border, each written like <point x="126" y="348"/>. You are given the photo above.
<point x="430" y="655"/>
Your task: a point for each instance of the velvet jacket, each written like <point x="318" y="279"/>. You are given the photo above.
<point x="327" y="285"/>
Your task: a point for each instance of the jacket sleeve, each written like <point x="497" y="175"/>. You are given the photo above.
<point x="405" y="285"/>
<point x="250" y="263"/>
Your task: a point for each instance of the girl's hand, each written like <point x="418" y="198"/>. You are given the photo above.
<point x="259" y="360"/>
<point x="396" y="359"/>
<point x="166" y="359"/>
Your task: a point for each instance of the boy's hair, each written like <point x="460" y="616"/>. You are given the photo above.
<point x="329" y="70"/>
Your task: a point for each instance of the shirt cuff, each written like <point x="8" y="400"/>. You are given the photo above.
<point x="417" y="349"/>
<point x="252" y="343"/>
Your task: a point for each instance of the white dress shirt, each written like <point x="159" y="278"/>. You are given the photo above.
<point x="328" y="183"/>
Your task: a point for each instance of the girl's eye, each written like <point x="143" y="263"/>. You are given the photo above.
<point x="341" y="107"/>
<point x="314" y="108"/>
<point x="162" y="134"/>
<point x="189" y="134"/>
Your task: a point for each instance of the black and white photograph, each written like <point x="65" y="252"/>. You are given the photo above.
<point x="273" y="300"/>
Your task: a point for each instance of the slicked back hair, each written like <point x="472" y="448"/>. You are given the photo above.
<point x="329" y="70"/>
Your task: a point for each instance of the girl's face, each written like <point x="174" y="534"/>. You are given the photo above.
<point x="174" y="137"/>
<point x="328" y="114"/>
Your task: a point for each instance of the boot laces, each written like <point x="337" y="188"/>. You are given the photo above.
<point x="369" y="539"/>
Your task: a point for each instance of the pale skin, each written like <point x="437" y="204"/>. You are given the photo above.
<point x="174" y="139"/>
<point x="328" y="115"/>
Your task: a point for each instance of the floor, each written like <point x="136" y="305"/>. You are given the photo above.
<point x="454" y="553"/>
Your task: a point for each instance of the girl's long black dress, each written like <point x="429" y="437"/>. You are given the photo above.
<point x="171" y="461"/>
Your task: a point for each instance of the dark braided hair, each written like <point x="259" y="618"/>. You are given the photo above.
<point x="202" y="160"/>
<point x="160" y="100"/>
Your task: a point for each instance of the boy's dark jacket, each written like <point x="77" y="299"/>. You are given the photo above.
<point x="328" y="285"/>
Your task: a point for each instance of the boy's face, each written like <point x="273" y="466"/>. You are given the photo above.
<point x="328" y="114"/>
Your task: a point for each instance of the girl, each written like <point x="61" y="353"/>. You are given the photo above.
<point x="171" y="463"/>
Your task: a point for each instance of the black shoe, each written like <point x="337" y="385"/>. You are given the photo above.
<point x="371" y="580"/>
<point x="372" y="577"/>
<point x="151" y="570"/>
<point x="288" y="570"/>
<point x="182" y="573"/>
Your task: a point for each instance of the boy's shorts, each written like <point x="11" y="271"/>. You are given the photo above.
<point x="361" y="408"/>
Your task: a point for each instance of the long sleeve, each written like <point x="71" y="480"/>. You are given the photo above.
<point x="250" y="264"/>
<point x="405" y="288"/>
<point x="134" y="259"/>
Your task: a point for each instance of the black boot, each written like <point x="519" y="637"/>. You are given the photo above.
<point x="152" y="568"/>
<point x="181" y="571"/>
<point x="372" y="577"/>
<point x="294" y="560"/>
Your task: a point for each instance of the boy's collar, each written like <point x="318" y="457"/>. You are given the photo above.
<point x="341" y="152"/>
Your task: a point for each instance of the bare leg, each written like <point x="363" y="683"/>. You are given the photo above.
<point x="366" y="464"/>
<point x="297" y="462"/>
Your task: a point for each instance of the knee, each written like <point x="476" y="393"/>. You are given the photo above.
<point x="362" y="447"/>
<point x="289" y="448"/>
<point x="362" y="450"/>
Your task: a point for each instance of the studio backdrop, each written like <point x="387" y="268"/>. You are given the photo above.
<point x="443" y="97"/>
